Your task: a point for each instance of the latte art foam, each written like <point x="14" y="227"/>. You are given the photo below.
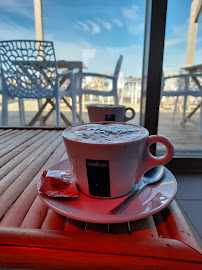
<point x="105" y="133"/>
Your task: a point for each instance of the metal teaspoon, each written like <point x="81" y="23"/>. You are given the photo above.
<point x="150" y="177"/>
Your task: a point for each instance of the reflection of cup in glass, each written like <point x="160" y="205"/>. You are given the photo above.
<point x="102" y="112"/>
<point x="108" y="159"/>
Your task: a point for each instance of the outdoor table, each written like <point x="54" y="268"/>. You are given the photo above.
<point x="32" y="236"/>
<point x="192" y="69"/>
<point x="71" y="65"/>
<point x="61" y="64"/>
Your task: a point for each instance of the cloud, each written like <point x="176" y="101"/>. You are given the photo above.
<point x="88" y="26"/>
<point x="134" y="22"/>
<point x="181" y="29"/>
<point x="95" y="27"/>
<point x="105" y="24"/>
<point x="198" y="55"/>
<point x="175" y="47"/>
<point x="174" y="41"/>
<point x="88" y="55"/>
<point x="131" y="13"/>
<point x="84" y="26"/>
<point x="135" y="29"/>
<point x="174" y="60"/>
<point x="101" y="59"/>
<point x="178" y="35"/>
<point x="117" y="22"/>
<point x="20" y="7"/>
<point x="13" y="31"/>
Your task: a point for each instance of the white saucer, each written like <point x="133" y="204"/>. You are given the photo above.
<point x="151" y="200"/>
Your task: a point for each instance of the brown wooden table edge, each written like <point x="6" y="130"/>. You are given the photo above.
<point x="34" y="258"/>
<point x="88" y="242"/>
<point x="31" y="127"/>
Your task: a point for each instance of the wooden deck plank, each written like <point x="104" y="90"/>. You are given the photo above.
<point x="13" y="216"/>
<point x="12" y="192"/>
<point x="53" y="221"/>
<point x="10" y="171"/>
<point x="35" y="215"/>
<point x="13" y="150"/>
<point x="7" y="136"/>
<point x="178" y="226"/>
<point x="15" y="137"/>
<point x="2" y="131"/>
<point x="74" y="225"/>
<point x="97" y="228"/>
<point x="65" y="156"/>
<point x="144" y="227"/>
<point x="162" y="227"/>
<point x="120" y="228"/>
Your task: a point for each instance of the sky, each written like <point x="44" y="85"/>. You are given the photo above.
<point x="98" y="31"/>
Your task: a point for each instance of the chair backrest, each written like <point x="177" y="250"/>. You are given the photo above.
<point x="118" y="67"/>
<point x="28" y="68"/>
<point x="182" y="82"/>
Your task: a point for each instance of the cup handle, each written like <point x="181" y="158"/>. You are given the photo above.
<point x="149" y="161"/>
<point x="125" y="119"/>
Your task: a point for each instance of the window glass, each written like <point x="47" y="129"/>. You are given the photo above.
<point x="179" y="117"/>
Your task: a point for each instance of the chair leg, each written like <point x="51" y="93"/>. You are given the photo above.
<point x="122" y="94"/>
<point x="80" y="108"/>
<point x="83" y="101"/>
<point x="4" y="114"/>
<point x="201" y="118"/>
<point x="132" y="93"/>
<point x="39" y="106"/>
<point x="57" y="105"/>
<point x="136" y="93"/>
<point x="102" y="99"/>
<point x="37" y="115"/>
<point x="175" y="108"/>
<point x="74" y="110"/>
<point x="21" y="111"/>
<point x="116" y="99"/>
<point x="184" y="110"/>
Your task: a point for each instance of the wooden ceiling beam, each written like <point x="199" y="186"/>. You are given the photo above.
<point x="198" y="9"/>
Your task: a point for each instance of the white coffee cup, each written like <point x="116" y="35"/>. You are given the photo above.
<point x="111" y="169"/>
<point x="104" y="112"/>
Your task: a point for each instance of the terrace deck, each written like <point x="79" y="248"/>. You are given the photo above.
<point x="186" y="140"/>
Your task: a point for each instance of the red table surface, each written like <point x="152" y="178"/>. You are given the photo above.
<point x="35" y="237"/>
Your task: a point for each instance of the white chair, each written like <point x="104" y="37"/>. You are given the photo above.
<point x="185" y="85"/>
<point x="132" y="87"/>
<point x="80" y="76"/>
<point x="29" y="71"/>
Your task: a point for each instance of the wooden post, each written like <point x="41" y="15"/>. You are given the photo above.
<point x="196" y="7"/>
<point x="38" y="12"/>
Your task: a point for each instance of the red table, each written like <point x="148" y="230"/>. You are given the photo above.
<point x="32" y="236"/>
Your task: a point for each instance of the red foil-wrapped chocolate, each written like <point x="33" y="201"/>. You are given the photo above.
<point x="59" y="184"/>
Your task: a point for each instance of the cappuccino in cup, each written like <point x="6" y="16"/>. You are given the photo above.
<point x="108" y="159"/>
<point x="102" y="112"/>
<point x="101" y="133"/>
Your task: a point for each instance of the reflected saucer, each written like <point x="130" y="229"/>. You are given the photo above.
<point x="151" y="200"/>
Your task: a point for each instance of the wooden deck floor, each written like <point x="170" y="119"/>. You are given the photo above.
<point x="187" y="140"/>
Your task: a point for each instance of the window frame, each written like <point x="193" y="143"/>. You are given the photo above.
<point x="153" y="52"/>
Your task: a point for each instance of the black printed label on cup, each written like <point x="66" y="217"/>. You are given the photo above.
<point x="98" y="177"/>
<point x="110" y="117"/>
